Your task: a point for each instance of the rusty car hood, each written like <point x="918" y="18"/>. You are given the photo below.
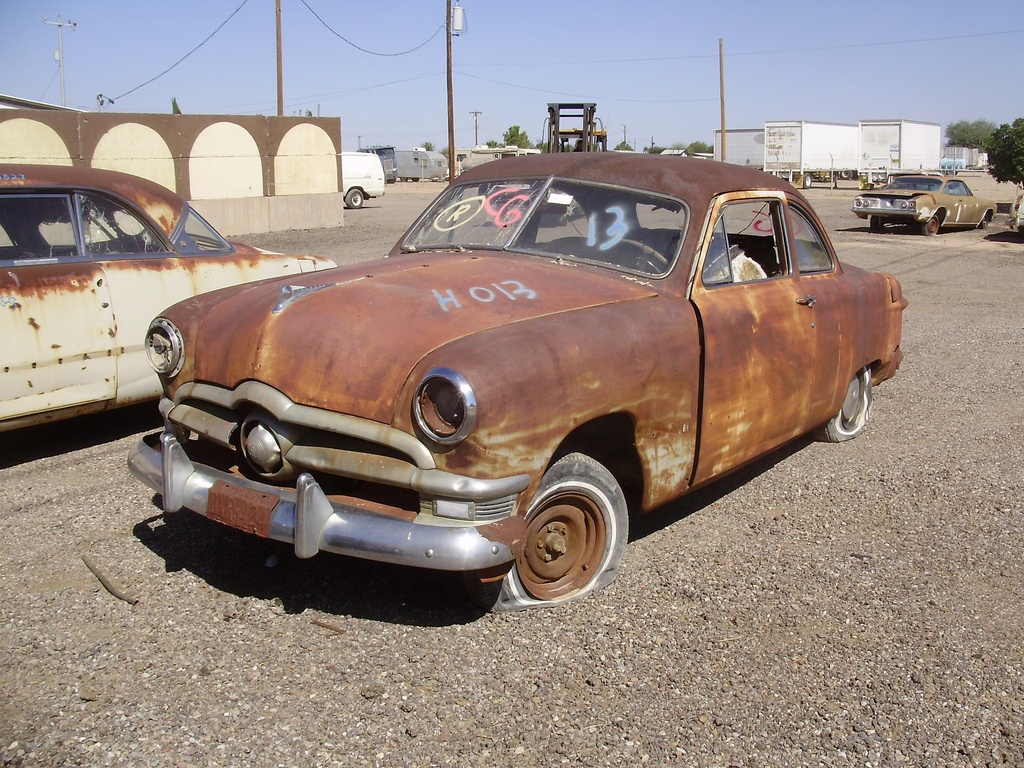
<point x="346" y="339"/>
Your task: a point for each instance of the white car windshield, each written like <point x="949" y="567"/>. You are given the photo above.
<point x="625" y="229"/>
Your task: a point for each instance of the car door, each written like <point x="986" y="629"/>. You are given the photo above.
<point x="56" y="319"/>
<point x="966" y="204"/>
<point x="145" y="276"/>
<point x="761" y="357"/>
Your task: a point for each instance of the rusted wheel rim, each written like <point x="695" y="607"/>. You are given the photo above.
<point x="564" y="546"/>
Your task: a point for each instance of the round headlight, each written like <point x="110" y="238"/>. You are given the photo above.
<point x="445" y="407"/>
<point x="164" y="347"/>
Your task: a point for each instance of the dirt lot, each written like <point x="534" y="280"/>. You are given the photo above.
<point x="856" y="604"/>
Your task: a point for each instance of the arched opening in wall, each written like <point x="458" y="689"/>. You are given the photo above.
<point x="23" y="140"/>
<point x="136" y="149"/>
<point x="306" y="162"/>
<point x="225" y="163"/>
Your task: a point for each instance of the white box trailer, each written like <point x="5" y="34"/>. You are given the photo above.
<point x="743" y="146"/>
<point x="890" y="147"/>
<point x="802" y="151"/>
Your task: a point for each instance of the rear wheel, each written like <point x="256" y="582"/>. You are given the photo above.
<point x="577" y="529"/>
<point x="853" y="415"/>
<point x="931" y="227"/>
<point x="877" y="223"/>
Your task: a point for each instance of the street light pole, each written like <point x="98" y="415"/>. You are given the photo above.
<point x="59" y="24"/>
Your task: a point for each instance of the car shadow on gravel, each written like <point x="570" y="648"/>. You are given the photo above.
<point x="243" y="565"/>
<point x="43" y="441"/>
<point x="1006" y="236"/>
<point x="662" y="517"/>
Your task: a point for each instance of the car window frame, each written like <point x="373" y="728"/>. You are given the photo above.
<point x="795" y="209"/>
<point x="778" y="202"/>
<point x="68" y="198"/>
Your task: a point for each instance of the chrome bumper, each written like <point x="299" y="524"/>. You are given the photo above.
<point x="306" y="518"/>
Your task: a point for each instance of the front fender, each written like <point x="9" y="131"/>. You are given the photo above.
<point x="538" y="380"/>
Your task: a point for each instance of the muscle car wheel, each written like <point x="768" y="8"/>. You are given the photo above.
<point x="877" y="223"/>
<point x="853" y="415"/>
<point x="576" y="536"/>
<point x="931" y="227"/>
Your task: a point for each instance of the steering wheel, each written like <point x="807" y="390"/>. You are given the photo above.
<point x="648" y="260"/>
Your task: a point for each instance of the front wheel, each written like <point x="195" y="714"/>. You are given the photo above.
<point x="853" y="415"/>
<point x="577" y="529"/>
<point x="354" y="199"/>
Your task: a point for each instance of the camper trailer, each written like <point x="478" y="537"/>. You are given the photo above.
<point x="418" y="163"/>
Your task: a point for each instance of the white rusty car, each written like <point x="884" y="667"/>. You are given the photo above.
<point x="926" y="202"/>
<point x="87" y="258"/>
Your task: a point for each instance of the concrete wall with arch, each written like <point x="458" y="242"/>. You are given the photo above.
<point x="245" y="174"/>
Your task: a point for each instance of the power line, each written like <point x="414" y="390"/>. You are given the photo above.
<point x="364" y="50"/>
<point x="218" y="29"/>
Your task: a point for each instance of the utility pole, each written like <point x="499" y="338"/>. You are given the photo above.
<point x="451" y="100"/>
<point x="59" y="53"/>
<point x="623" y="134"/>
<point x="476" y="128"/>
<point x="721" y="88"/>
<point x="280" y="64"/>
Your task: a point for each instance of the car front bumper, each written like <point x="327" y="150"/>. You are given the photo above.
<point x="892" y="214"/>
<point x="308" y="519"/>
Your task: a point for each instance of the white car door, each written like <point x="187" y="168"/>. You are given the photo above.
<point x="56" y="319"/>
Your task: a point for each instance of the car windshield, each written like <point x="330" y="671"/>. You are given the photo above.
<point x="916" y="184"/>
<point x="624" y="229"/>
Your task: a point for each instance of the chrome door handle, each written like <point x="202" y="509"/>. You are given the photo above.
<point x="807" y="301"/>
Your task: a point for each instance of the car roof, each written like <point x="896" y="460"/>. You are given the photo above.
<point x="689" y="178"/>
<point x="163" y="206"/>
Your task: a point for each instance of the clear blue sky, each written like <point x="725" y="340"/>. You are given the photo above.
<point x="652" y="67"/>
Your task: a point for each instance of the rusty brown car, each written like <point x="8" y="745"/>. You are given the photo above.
<point x="928" y="203"/>
<point x="557" y="343"/>
<point x="87" y="258"/>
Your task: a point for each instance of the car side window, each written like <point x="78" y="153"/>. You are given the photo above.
<point x="957" y="188"/>
<point x="111" y="229"/>
<point x="812" y="255"/>
<point x="36" y="228"/>
<point x="744" y="244"/>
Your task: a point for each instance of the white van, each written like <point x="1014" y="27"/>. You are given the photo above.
<point x="362" y="176"/>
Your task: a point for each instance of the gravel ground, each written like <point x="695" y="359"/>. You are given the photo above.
<point x="833" y="605"/>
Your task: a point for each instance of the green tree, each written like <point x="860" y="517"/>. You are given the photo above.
<point x="492" y="143"/>
<point x="624" y="146"/>
<point x="695" y="148"/>
<point x="1006" y="152"/>
<point x="654" y="150"/>
<point x="428" y="145"/>
<point x="175" y="109"/>
<point x="516" y="137"/>
<point x="969" y="133"/>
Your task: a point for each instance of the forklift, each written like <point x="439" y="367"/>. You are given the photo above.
<point x="588" y="135"/>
